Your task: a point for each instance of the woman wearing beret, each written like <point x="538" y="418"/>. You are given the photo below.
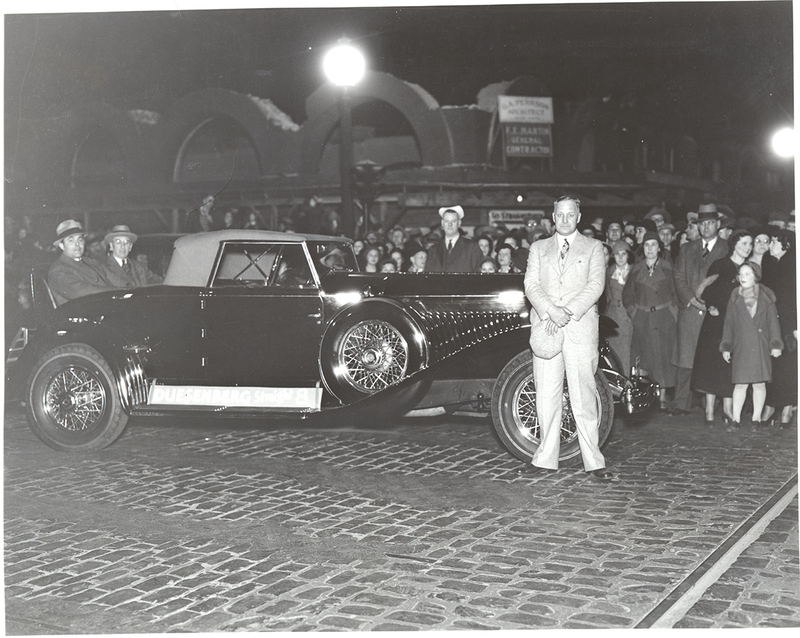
<point x="650" y="300"/>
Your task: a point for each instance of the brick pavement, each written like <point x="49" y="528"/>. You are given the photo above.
<point x="421" y="528"/>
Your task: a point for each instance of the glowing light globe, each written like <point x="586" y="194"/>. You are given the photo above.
<point x="783" y="142"/>
<point x="344" y="65"/>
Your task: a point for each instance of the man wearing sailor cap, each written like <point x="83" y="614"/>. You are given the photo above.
<point x="73" y="275"/>
<point x="455" y="253"/>
<point x="120" y="271"/>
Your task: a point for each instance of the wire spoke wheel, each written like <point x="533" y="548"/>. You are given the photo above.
<point x="524" y="409"/>
<point x="514" y="417"/>
<point x="373" y="355"/>
<point x="75" y="399"/>
<point x="73" y="402"/>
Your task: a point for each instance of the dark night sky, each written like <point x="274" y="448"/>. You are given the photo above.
<point x="715" y="70"/>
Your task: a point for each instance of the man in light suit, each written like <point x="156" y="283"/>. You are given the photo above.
<point x="120" y="271"/>
<point x="563" y="281"/>
<point x="455" y="253"/>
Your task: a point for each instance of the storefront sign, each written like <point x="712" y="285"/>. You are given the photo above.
<point x="514" y="216"/>
<point x="530" y="110"/>
<point x="527" y="140"/>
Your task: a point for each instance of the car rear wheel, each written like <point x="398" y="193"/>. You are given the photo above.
<point x="73" y="405"/>
<point x="369" y="350"/>
<point x="514" y="412"/>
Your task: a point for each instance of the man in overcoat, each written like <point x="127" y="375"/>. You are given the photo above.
<point x="455" y="253"/>
<point x="120" y="271"/>
<point x="73" y="275"/>
<point x="564" y="279"/>
<point x="691" y="267"/>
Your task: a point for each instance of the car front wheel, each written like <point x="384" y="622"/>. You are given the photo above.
<point x="73" y="405"/>
<point x="514" y="412"/>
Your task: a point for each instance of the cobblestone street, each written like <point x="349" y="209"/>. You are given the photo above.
<point x="426" y="525"/>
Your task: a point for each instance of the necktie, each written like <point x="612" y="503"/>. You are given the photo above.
<point x="705" y="249"/>
<point x="449" y="245"/>
<point x="126" y="266"/>
<point x="564" y="250"/>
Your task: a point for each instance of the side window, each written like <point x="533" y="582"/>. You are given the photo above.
<point x="242" y="264"/>
<point x="292" y="268"/>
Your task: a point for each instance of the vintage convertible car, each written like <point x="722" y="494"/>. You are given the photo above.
<point x="257" y="323"/>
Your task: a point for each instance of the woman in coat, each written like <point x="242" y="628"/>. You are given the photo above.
<point x="781" y="277"/>
<point x="711" y="374"/>
<point x="649" y="297"/>
<point x="751" y="335"/>
<point x="616" y="277"/>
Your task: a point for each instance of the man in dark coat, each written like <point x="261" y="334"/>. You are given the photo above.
<point x="691" y="268"/>
<point x="455" y="253"/>
<point x="73" y="275"/>
<point x="120" y="271"/>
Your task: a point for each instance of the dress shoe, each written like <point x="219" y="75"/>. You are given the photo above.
<point x="534" y="470"/>
<point x="601" y="475"/>
<point x="708" y="421"/>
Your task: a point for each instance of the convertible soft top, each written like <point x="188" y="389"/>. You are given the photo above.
<point x="193" y="255"/>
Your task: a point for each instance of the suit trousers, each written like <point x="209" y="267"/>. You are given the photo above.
<point x="579" y="360"/>
<point x="683" y="389"/>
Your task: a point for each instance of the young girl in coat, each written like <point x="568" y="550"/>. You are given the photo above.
<point x="751" y="335"/>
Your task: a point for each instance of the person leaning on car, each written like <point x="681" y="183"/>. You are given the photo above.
<point x="73" y="275"/>
<point x="454" y="253"/>
<point x="120" y="271"/>
<point x="563" y="281"/>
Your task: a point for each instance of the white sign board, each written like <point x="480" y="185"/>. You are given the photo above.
<point x="527" y="110"/>
<point x="514" y="216"/>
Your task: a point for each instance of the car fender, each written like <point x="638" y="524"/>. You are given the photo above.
<point x="125" y="361"/>
<point x="400" y="317"/>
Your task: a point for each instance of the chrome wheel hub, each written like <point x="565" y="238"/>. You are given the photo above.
<point x="75" y="399"/>
<point x="373" y="356"/>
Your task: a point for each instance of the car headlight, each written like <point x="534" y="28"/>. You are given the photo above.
<point x="511" y="297"/>
<point x="347" y="298"/>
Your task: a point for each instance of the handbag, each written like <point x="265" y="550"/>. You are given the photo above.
<point x="546" y="346"/>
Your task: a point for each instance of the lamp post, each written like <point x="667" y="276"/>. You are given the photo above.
<point x="344" y="66"/>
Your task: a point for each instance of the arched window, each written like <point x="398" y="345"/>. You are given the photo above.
<point x="380" y="133"/>
<point x="218" y="149"/>
<point x="99" y="160"/>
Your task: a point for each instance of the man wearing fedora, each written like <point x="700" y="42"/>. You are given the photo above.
<point x="73" y="275"/>
<point x="455" y="253"/>
<point x="120" y="271"/>
<point x="691" y="268"/>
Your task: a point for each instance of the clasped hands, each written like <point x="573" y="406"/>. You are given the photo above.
<point x="557" y="317"/>
<point x="694" y="301"/>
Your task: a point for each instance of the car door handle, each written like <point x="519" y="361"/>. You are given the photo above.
<point x="315" y="315"/>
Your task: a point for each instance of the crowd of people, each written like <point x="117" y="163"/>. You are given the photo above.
<point x="705" y="306"/>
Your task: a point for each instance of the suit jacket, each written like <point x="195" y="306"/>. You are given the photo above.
<point x="465" y="257"/>
<point x="578" y="284"/>
<point x="690" y="269"/>
<point x="70" y="279"/>
<point x="138" y="276"/>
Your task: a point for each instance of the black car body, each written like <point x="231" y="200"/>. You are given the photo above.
<point x="259" y="323"/>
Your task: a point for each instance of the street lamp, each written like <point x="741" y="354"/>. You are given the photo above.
<point x="344" y="66"/>
<point x="783" y="142"/>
